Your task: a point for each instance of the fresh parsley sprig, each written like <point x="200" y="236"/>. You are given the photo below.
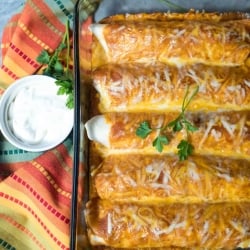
<point x="145" y="129"/>
<point x="55" y="67"/>
<point x="185" y="148"/>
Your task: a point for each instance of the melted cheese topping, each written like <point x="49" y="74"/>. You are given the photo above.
<point x="157" y="87"/>
<point x="178" y="225"/>
<point x="224" y="43"/>
<point x="155" y="179"/>
<point x="170" y="16"/>
<point x="220" y="133"/>
<point x="141" y="67"/>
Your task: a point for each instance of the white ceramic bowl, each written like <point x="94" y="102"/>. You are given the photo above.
<point x="32" y="116"/>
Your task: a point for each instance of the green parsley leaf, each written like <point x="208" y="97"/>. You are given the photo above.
<point x="62" y="46"/>
<point x="185" y="149"/>
<point x="58" y="67"/>
<point x="159" y="142"/>
<point x="47" y="71"/>
<point x="55" y="68"/>
<point x="189" y="126"/>
<point x="61" y="91"/>
<point x="176" y="124"/>
<point x="44" y="57"/>
<point x="70" y="101"/>
<point x="67" y="84"/>
<point x="143" y="130"/>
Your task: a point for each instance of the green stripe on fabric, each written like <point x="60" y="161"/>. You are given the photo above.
<point x="9" y="153"/>
<point x="62" y="9"/>
<point x="6" y="245"/>
<point x="65" y="9"/>
<point x="68" y="143"/>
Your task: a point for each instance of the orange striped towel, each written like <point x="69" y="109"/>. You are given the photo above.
<point x="41" y="25"/>
<point x="35" y="189"/>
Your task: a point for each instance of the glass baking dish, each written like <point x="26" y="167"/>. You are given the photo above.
<point x="87" y="11"/>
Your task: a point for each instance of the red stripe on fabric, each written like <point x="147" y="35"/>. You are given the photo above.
<point x="32" y="46"/>
<point x="23" y="229"/>
<point x="8" y="32"/>
<point x="24" y="56"/>
<point x="53" y="161"/>
<point x="43" y="177"/>
<point x="9" y="72"/>
<point x="48" y="13"/>
<point x="27" y="207"/>
<point x="41" y="199"/>
<point x="49" y="37"/>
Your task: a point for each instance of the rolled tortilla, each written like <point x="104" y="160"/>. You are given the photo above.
<point x="158" y="87"/>
<point x="161" y="179"/>
<point x="173" y="16"/>
<point x="128" y="225"/>
<point x="219" y="134"/>
<point x="173" y="42"/>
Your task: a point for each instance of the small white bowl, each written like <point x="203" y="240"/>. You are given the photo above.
<point x="32" y="116"/>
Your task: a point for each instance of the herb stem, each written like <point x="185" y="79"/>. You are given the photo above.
<point x="187" y="102"/>
<point x="68" y="45"/>
<point x="185" y="148"/>
<point x="66" y="41"/>
<point x="58" y="66"/>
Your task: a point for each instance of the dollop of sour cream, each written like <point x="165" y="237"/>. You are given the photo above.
<point x="38" y="115"/>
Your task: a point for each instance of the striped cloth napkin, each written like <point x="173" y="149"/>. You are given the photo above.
<point x="35" y="188"/>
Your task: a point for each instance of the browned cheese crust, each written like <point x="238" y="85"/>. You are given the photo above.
<point x="211" y="43"/>
<point x="142" y="65"/>
<point x="159" y="87"/>
<point x="223" y="134"/>
<point x="160" y="179"/>
<point x="126" y="225"/>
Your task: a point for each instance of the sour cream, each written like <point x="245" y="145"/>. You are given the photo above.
<point x="36" y="115"/>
